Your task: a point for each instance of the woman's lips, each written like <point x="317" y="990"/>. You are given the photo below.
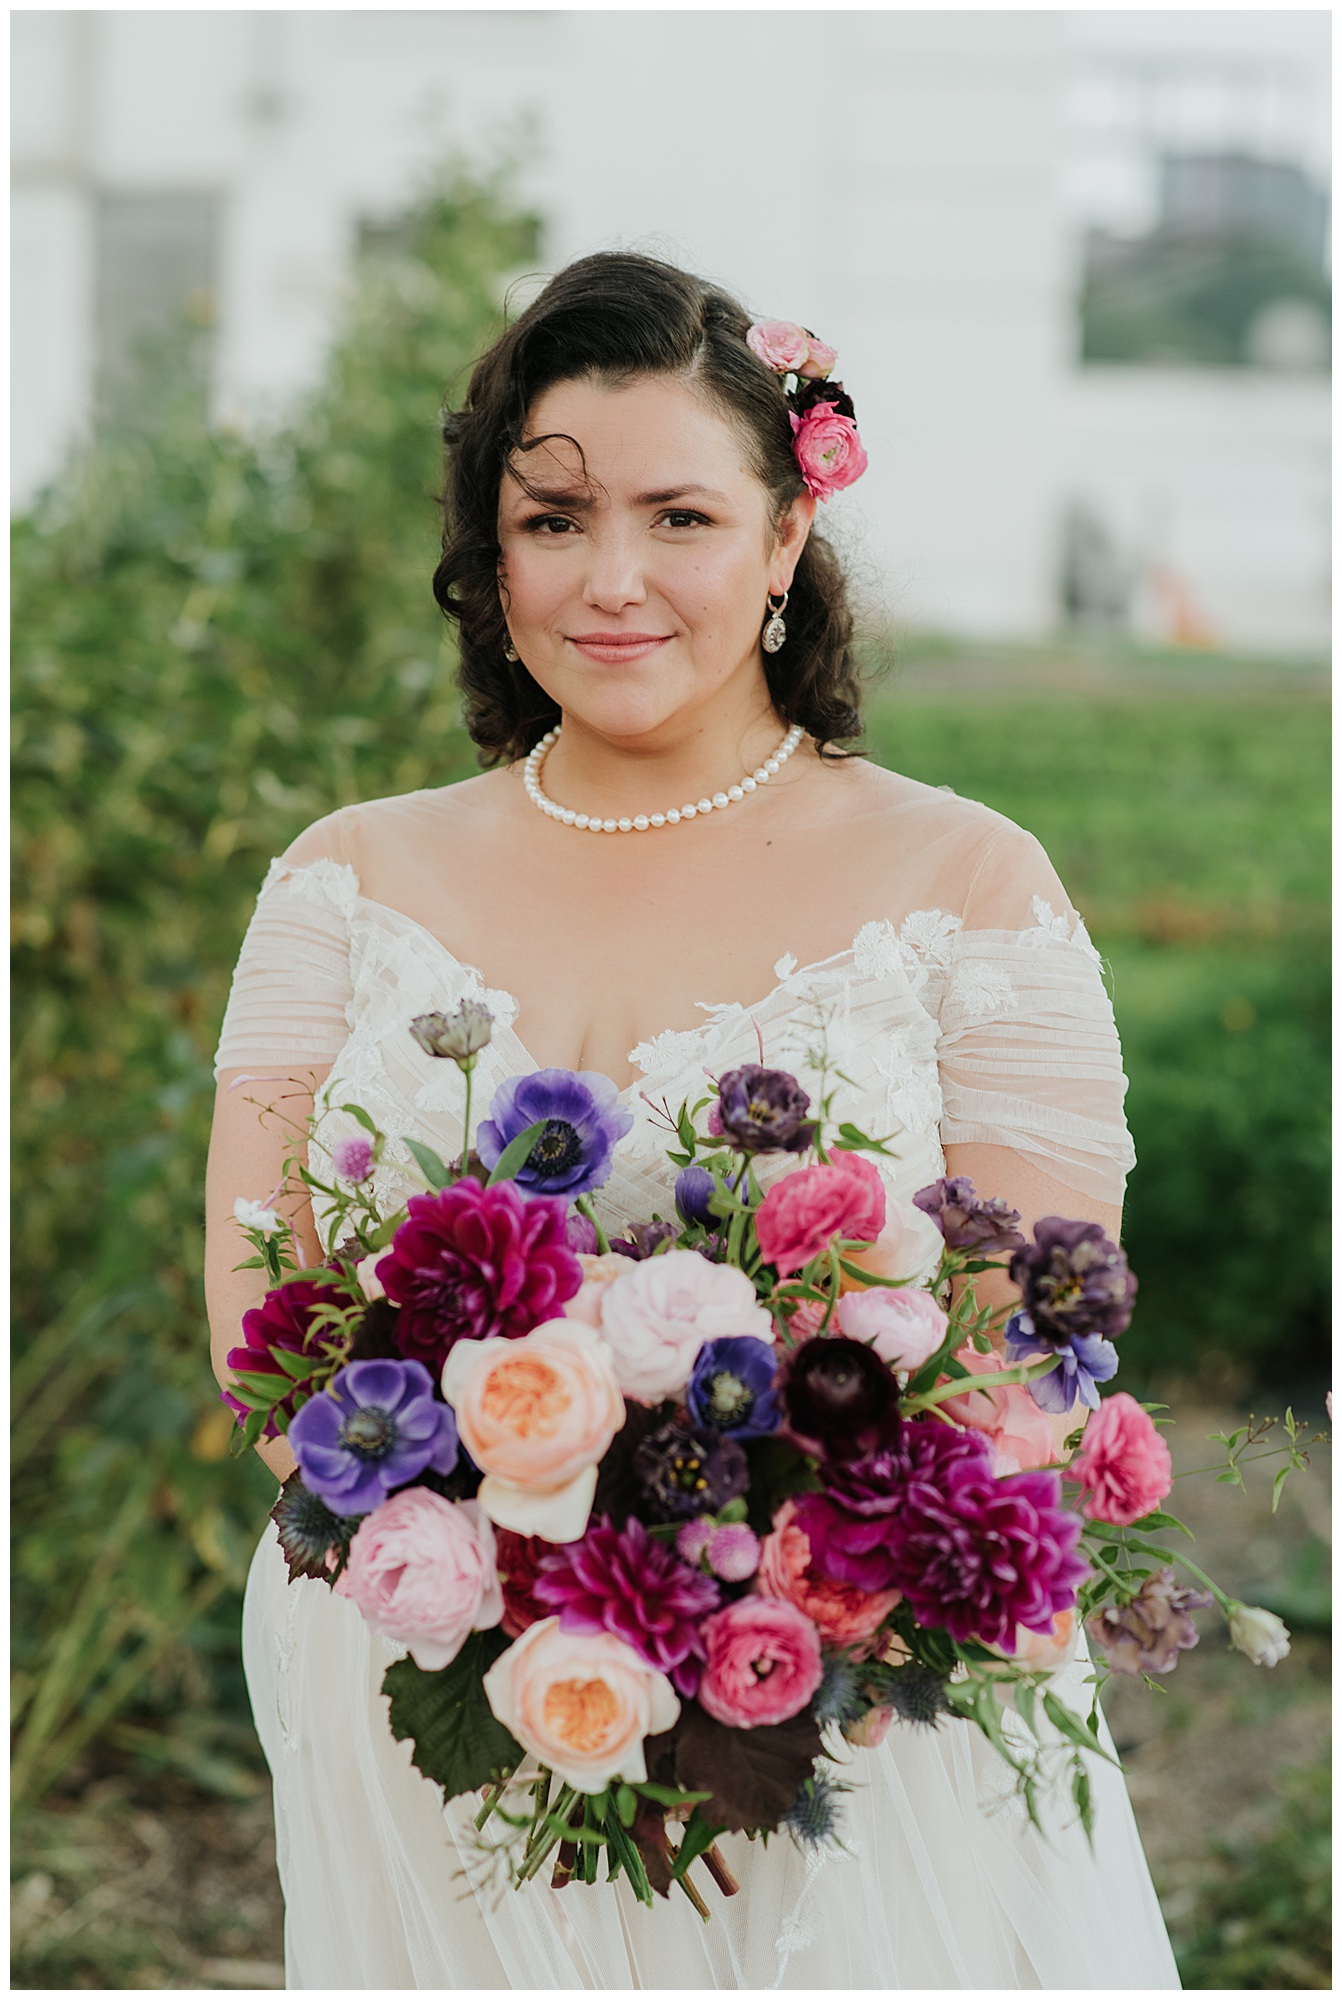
<point x="615" y="647"/>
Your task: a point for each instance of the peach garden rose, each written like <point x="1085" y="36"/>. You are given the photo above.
<point x="581" y="1702"/>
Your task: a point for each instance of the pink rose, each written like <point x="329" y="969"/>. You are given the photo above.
<point x="842" y="1614"/>
<point x="905" y="1327"/>
<point x="819" y="361"/>
<point x="763" y="1662"/>
<point x="658" y="1314"/>
<point x="1124" y="1461"/>
<point x="780" y="345"/>
<point x="536" y="1414"/>
<point x="1020" y="1433"/>
<point x="423" y="1570"/>
<point x="598" y="1274"/>
<point x="802" y="1214"/>
<point x="909" y="1246"/>
<point x="581" y="1702"/>
<point x="829" y="450"/>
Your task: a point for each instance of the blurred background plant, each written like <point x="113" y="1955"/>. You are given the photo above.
<point x="218" y="638"/>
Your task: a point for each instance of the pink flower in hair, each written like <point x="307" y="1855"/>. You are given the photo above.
<point x="819" y="361"/>
<point x="780" y="345"/>
<point x="829" y="450"/>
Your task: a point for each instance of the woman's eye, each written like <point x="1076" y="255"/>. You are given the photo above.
<point x="548" y="524"/>
<point x="684" y="517"/>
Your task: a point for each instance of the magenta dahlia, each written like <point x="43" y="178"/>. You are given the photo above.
<point x="471" y="1262"/>
<point x="621" y="1580"/>
<point x="284" y="1319"/>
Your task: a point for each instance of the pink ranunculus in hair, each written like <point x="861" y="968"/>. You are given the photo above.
<point x="905" y="1327"/>
<point x="829" y="450"/>
<point x="1020" y="1433"/>
<point x="423" y="1570"/>
<point x="763" y="1662"/>
<point x="819" y="362"/>
<point x="841" y="1613"/>
<point x="780" y="345"/>
<point x="803" y="1213"/>
<point x="1124" y="1461"/>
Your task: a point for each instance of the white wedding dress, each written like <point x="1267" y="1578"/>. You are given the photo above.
<point x="974" y="1011"/>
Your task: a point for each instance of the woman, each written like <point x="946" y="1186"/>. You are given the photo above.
<point x="631" y="557"/>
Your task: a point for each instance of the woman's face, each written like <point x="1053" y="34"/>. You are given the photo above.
<point x="635" y="589"/>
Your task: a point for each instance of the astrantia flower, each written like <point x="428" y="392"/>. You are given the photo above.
<point x="584" y="1121"/>
<point x="476" y="1263"/>
<point x="1073" y="1282"/>
<point x="1147" y="1635"/>
<point x="732" y="1388"/>
<point x="1083" y="1363"/>
<point x="840" y="1397"/>
<point x="621" y="1580"/>
<point x="287" y="1318"/>
<point x="684" y="1471"/>
<point x="966" y="1221"/>
<point x="376" y="1428"/>
<point x="764" y="1111"/>
<point x="459" y="1035"/>
<point x="733" y="1552"/>
<point x="352" y="1158"/>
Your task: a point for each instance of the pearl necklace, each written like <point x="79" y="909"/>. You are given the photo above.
<point x="589" y="823"/>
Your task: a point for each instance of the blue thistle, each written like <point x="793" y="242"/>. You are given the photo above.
<point x="813" y="1817"/>
<point x="840" y="1696"/>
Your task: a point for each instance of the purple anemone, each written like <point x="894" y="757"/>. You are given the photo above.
<point x="732" y="1387"/>
<point x="376" y="1428"/>
<point x="583" y="1121"/>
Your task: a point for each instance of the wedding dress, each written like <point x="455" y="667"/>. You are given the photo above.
<point x="973" y="1011"/>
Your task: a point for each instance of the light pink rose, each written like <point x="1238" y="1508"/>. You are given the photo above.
<point x="905" y="1327"/>
<point x="829" y="450"/>
<point x="802" y="1214"/>
<point x="536" y="1414"/>
<point x="1020" y="1433"/>
<point x="780" y="345"/>
<point x="581" y="1702"/>
<point x="424" y="1570"/>
<point x="598" y="1273"/>
<point x="1124" y="1461"/>
<point x="842" y="1614"/>
<point x="909" y="1246"/>
<point x="657" y="1316"/>
<point x="763" y="1662"/>
<point x="819" y="361"/>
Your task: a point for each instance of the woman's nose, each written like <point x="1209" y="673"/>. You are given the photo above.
<point x="614" y="572"/>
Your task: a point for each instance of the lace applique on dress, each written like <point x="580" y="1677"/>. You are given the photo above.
<point x="335" y="881"/>
<point x="669" y="1054"/>
<point x="912" y="1086"/>
<point x="983" y="989"/>
<point x="1053" y="928"/>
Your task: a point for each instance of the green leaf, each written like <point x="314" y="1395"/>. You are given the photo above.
<point x="459" y="1742"/>
<point x="669" y="1795"/>
<point x="297" y="1366"/>
<point x="699" y="1835"/>
<point x="360" y="1117"/>
<point x="689" y="1138"/>
<point x="1081" y="1797"/>
<point x="626" y="1804"/>
<point x="1072" y="1727"/>
<point x="263" y="1390"/>
<point x="1277" y="1484"/>
<point x="429" y="1164"/>
<point x="516" y="1154"/>
<point x="1159" y="1520"/>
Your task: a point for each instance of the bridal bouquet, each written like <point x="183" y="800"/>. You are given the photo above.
<point x="668" y="1526"/>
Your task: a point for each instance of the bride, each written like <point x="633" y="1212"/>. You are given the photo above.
<point x="631" y="558"/>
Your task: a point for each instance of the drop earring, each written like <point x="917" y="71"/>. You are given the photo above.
<point x="775" y="631"/>
<point x="510" y="651"/>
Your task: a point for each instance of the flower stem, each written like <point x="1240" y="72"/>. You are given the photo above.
<point x="584" y="1207"/>
<point x="1226" y="1603"/>
<point x="468" y="1071"/>
<point x="1025" y="1371"/>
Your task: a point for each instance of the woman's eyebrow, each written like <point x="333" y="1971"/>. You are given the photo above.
<point x="671" y="493"/>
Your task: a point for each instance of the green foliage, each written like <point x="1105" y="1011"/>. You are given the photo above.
<point x="1266" y="1920"/>
<point x="216" y="640"/>
<point x="458" y="1741"/>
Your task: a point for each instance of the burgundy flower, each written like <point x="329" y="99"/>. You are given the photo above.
<point x="966" y="1222"/>
<point x="840" y="1398"/>
<point x="621" y="1580"/>
<point x="684" y="1471"/>
<point x="520" y="1558"/>
<point x="1073" y="1282"/>
<point x="284" y="1319"/>
<point x="846" y="1548"/>
<point x="924" y="1457"/>
<point x="763" y="1111"/>
<point x="472" y="1262"/>
<point x="1147" y="1635"/>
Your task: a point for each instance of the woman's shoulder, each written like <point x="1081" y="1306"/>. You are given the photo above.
<point x="367" y="836"/>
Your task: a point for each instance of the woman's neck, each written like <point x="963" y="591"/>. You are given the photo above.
<point x="593" y="774"/>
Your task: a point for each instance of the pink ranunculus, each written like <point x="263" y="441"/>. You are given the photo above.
<point x="763" y="1662"/>
<point x="1020" y="1433"/>
<point x="1124" y="1461"/>
<point x="819" y="361"/>
<point x="536" y="1415"/>
<point x="598" y="1274"/>
<point x="802" y="1214"/>
<point x="424" y="1570"/>
<point x="842" y="1614"/>
<point x="829" y="450"/>
<point x="905" y="1327"/>
<point x="909" y="1246"/>
<point x="658" y="1314"/>
<point x="581" y="1702"/>
<point x="805" y="1321"/>
<point x="780" y="345"/>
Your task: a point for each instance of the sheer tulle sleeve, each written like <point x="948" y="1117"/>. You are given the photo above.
<point x="291" y="987"/>
<point x="1028" y="1049"/>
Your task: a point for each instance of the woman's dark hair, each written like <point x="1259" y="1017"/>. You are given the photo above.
<point x="618" y="316"/>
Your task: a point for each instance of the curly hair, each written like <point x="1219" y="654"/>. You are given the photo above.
<point x="617" y="316"/>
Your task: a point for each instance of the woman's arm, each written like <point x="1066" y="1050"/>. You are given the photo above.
<point x="248" y="1148"/>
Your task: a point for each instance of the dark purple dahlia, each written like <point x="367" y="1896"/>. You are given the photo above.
<point x="839" y="1398"/>
<point x="1147" y="1635"/>
<point x="473" y="1262"/>
<point x="1083" y="1363"/>
<point x="926" y="1452"/>
<point x="623" y="1581"/>
<point x="583" y="1119"/>
<point x="376" y="1428"/>
<point x="1073" y="1281"/>
<point x="845" y="1548"/>
<point x="644" y="1240"/>
<point x="983" y="1228"/>
<point x="732" y="1387"/>
<point x="285" y="1319"/>
<point x="684" y="1471"/>
<point x="763" y="1111"/>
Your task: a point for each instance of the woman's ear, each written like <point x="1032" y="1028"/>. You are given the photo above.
<point x="793" y="528"/>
